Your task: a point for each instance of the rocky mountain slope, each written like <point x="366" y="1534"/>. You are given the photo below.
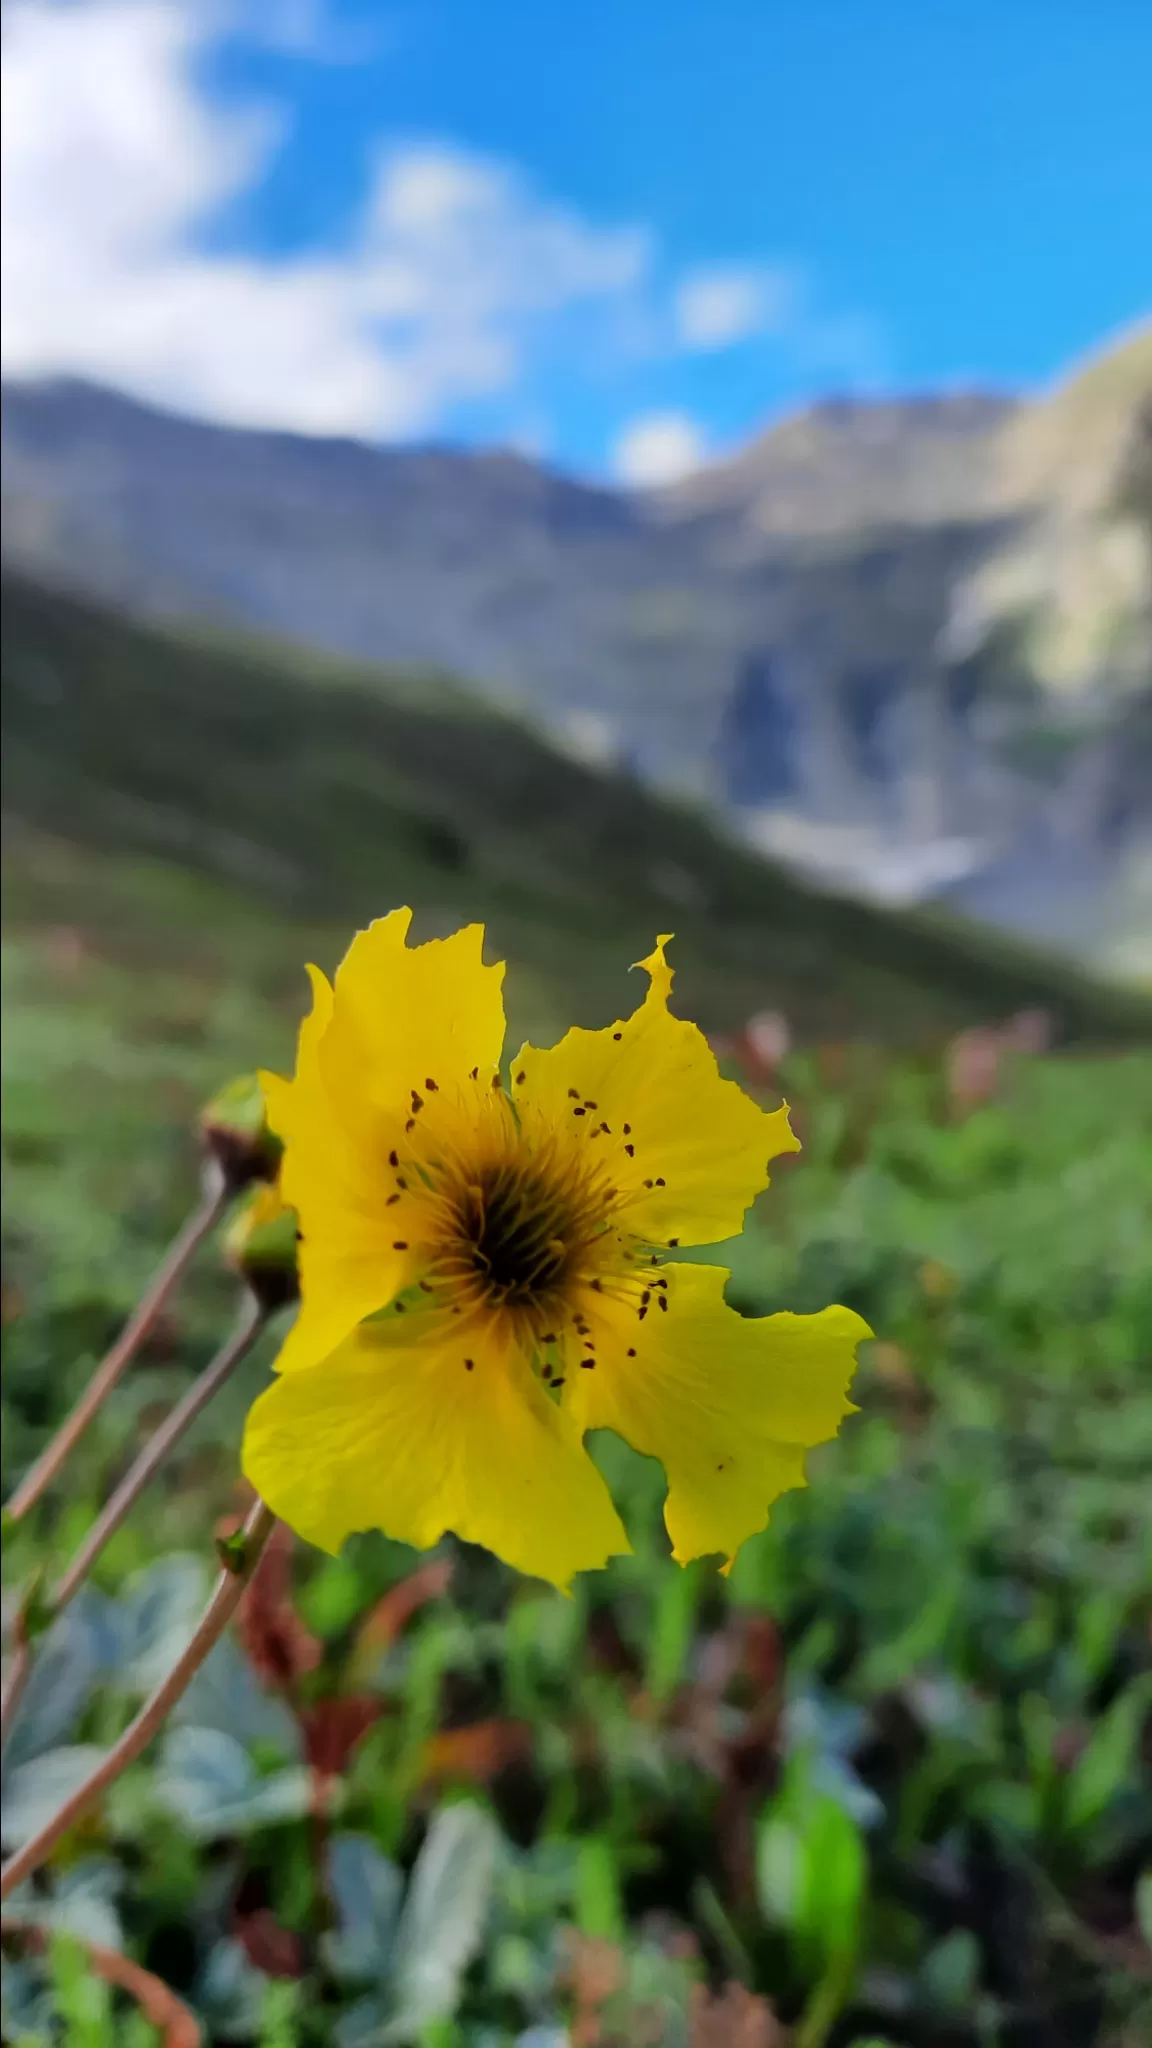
<point x="905" y="644"/>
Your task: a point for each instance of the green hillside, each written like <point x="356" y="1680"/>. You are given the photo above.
<point x="226" y="804"/>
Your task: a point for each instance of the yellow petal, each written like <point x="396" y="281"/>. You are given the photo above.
<point x="410" y="1018"/>
<point x="401" y="1435"/>
<point x="727" y="1403"/>
<point x="396" y="1013"/>
<point x="688" y="1150"/>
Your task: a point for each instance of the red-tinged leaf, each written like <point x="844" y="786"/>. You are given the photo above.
<point x="474" y="1755"/>
<point x="391" y="1615"/>
<point x="732" y="2018"/>
<point x="333" y="1727"/>
<point x="276" y="1950"/>
<point x="280" y="1649"/>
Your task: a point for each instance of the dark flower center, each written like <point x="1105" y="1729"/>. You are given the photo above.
<point x="521" y="1234"/>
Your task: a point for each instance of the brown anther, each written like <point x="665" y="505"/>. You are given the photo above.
<point x="579" y="1112"/>
<point x="417" y="1103"/>
<point x="631" y="1151"/>
<point x="411" y="1124"/>
<point x="662" y="1301"/>
<point x="672" y="1244"/>
<point x="631" y="1351"/>
<point x="520" y="1080"/>
<point x="468" y="1364"/>
<point x="573" y="1095"/>
<point x="558" y="1383"/>
<point x="617" y="1035"/>
<point x="400" y="1245"/>
<point x="430" y="1085"/>
<point x="391" y="1199"/>
<point x="627" y="1130"/>
<point x="587" y="1365"/>
<point x="475" y="1074"/>
<point x="393" y="1159"/>
<point x="661" y="1181"/>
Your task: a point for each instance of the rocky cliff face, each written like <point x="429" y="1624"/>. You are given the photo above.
<point x="907" y="644"/>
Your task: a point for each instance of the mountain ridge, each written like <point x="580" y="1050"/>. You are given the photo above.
<point x="875" y="579"/>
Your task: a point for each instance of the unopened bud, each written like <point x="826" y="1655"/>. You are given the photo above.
<point x="236" y="1135"/>
<point x="261" y="1245"/>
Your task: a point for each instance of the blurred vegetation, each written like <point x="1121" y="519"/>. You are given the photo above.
<point x="889" y="1782"/>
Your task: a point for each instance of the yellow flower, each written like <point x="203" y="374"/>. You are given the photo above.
<point x="484" y="1275"/>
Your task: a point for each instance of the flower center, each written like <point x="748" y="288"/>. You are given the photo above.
<point x="519" y="1231"/>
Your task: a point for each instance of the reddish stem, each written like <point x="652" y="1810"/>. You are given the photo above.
<point x="202" y="1220"/>
<point x="154" y="1712"/>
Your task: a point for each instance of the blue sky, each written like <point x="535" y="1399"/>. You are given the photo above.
<point x="622" y="235"/>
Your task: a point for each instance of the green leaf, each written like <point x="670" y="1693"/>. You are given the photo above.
<point x="599" y="1913"/>
<point x="443" y="1918"/>
<point x="1108" y="1761"/>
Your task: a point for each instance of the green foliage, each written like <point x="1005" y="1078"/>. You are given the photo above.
<point x="891" y="1774"/>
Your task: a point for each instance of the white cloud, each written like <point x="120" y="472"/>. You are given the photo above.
<point x="658" y="448"/>
<point x="720" y="304"/>
<point x="456" y="280"/>
<point x="114" y="161"/>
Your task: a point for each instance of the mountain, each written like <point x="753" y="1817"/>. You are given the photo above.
<point x="903" y="644"/>
<point x="182" y="795"/>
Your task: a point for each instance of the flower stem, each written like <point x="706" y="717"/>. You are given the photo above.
<point x="19" y="1672"/>
<point x="158" y="2004"/>
<point x="136" y="1737"/>
<point x="203" y="1218"/>
<point x="250" y="1323"/>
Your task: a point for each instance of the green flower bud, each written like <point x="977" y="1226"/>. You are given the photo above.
<point x="261" y="1245"/>
<point x="235" y="1134"/>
